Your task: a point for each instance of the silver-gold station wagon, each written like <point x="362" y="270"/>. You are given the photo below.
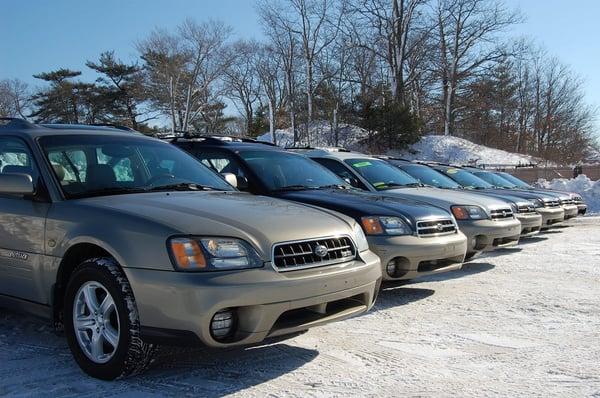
<point x="128" y="242"/>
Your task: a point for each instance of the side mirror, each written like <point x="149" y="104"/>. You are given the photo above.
<point x="238" y="182"/>
<point x="16" y="184"/>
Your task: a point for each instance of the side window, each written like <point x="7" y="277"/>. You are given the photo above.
<point x="340" y="170"/>
<point x="15" y="157"/>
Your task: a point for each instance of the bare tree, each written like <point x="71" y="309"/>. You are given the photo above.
<point x="395" y="32"/>
<point x="467" y="42"/>
<point x="242" y="80"/>
<point x="270" y="68"/>
<point x="183" y="69"/>
<point x="286" y="46"/>
<point x="15" y="98"/>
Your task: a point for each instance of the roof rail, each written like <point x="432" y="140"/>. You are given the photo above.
<point x="116" y="126"/>
<point x="15" y="122"/>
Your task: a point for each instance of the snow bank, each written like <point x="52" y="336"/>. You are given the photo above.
<point x="588" y="189"/>
<point x="439" y="148"/>
<point x="435" y="148"/>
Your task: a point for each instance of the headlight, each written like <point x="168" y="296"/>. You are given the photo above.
<point x="212" y="254"/>
<point x="375" y="225"/>
<point x="469" y="213"/>
<point x="538" y="203"/>
<point x="514" y="207"/>
<point x="361" y="239"/>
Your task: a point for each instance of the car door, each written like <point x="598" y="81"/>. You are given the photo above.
<point x="22" y="224"/>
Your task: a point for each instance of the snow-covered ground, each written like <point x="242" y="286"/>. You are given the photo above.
<point x="519" y="322"/>
<point x="435" y="148"/>
<point x="588" y="189"/>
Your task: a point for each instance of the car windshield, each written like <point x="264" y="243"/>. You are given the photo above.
<point x="494" y="179"/>
<point x="466" y="179"/>
<point x="100" y="165"/>
<point x="429" y="176"/>
<point x="511" y="178"/>
<point x="382" y="175"/>
<point x="281" y="171"/>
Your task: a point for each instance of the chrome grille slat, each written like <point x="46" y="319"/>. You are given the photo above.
<point x="430" y="227"/>
<point x="501" y="214"/>
<point x="291" y="256"/>
<point x="526" y="209"/>
<point x="552" y="203"/>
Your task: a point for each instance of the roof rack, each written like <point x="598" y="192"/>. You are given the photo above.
<point x="214" y="139"/>
<point x="320" y="148"/>
<point x="387" y="157"/>
<point x="116" y="126"/>
<point x="15" y="122"/>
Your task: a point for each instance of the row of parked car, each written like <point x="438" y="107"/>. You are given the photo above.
<point x="127" y="241"/>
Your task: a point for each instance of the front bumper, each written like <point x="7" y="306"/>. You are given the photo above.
<point x="267" y="303"/>
<point x="551" y="216"/>
<point x="571" y="211"/>
<point x="531" y="223"/>
<point x="581" y="209"/>
<point x="487" y="235"/>
<point x="413" y="256"/>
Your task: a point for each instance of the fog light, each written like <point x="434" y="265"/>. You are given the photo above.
<point x="391" y="268"/>
<point x="397" y="267"/>
<point x="222" y="324"/>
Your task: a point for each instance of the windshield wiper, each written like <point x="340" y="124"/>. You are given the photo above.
<point x="296" y="187"/>
<point x="334" y="186"/>
<point x="182" y="186"/>
<point x="105" y="192"/>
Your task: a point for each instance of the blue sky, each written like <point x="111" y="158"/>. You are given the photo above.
<point x="40" y="35"/>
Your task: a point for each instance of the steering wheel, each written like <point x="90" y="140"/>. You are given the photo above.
<point x="159" y="177"/>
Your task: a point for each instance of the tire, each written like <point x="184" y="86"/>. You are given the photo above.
<point x="93" y="344"/>
<point x="470" y="256"/>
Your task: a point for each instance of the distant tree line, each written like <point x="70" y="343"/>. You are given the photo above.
<point x="398" y="68"/>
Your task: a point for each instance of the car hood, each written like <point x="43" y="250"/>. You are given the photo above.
<point x="525" y="194"/>
<point x="446" y="197"/>
<point x="551" y="193"/>
<point x="257" y="219"/>
<point x="506" y="196"/>
<point x="358" y="204"/>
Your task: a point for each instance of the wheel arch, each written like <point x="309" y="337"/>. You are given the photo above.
<point x="73" y="257"/>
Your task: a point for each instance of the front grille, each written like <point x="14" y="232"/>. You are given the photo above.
<point x="524" y="209"/>
<point x="436" y="227"/>
<point x="291" y="256"/>
<point x="501" y="214"/>
<point x="566" y="202"/>
<point x="552" y="203"/>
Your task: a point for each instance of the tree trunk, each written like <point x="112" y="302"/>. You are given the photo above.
<point x="309" y="98"/>
<point x="272" y="121"/>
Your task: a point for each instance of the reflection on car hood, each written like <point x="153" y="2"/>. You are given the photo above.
<point x="358" y="204"/>
<point x="260" y="219"/>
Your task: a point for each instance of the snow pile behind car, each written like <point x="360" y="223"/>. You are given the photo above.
<point x="436" y="148"/>
<point x="455" y="150"/>
<point x="588" y="189"/>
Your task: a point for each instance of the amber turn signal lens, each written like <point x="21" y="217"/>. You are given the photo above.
<point x="372" y="226"/>
<point x="460" y="213"/>
<point x="187" y="254"/>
